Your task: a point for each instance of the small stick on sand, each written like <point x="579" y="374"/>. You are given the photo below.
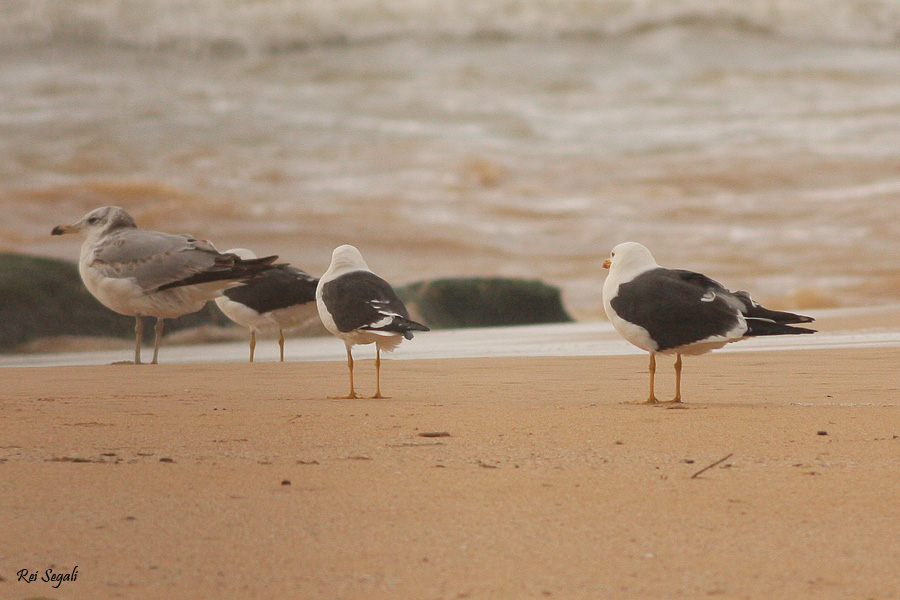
<point x="708" y="467"/>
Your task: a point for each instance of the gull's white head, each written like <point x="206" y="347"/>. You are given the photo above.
<point x="346" y="258"/>
<point x="629" y="258"/>
<point x="98" y="222"/>
<point x="242" y="253"/>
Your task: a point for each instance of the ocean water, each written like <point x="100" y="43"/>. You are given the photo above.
<point x="757" y="141"/>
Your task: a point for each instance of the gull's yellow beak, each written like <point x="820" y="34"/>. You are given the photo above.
<point x="61" y="229"/>
<point x="606" y="263"/>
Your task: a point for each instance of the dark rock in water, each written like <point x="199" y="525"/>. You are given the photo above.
<point x="45" y="297"/>
<point x="484" y="302"/>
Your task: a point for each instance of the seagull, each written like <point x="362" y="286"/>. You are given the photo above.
<point x="672" y="311"/>
<point x="360" y="307"/>
<point x="282" y="297"/>
<point x="143" y="273"/>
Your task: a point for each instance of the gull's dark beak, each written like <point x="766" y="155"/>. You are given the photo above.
<point x="606" y="263"/>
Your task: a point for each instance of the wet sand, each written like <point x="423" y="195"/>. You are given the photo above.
<point x="481" y="478"/>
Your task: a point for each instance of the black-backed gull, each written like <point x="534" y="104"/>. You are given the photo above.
<point x="361" y="308"/>
<point x="672" y="311"/>
<point x="281" y="298"/>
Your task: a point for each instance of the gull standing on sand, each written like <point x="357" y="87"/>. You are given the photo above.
<point x="672" y="311"/>
<point x="282" y="297"/>
<point x="143" y="273"/>
<point x="360" y="307"/>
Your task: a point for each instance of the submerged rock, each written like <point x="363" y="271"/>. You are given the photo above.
<point x="484" y="302"/>
<point x="45" y="298"/>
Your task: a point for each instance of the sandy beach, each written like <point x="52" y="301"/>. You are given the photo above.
<point x="524" y="477"/>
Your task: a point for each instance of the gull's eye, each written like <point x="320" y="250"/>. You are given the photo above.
<point x="93" y="220"/>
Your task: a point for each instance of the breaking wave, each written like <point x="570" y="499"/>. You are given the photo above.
<point x="273" y="25"/>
